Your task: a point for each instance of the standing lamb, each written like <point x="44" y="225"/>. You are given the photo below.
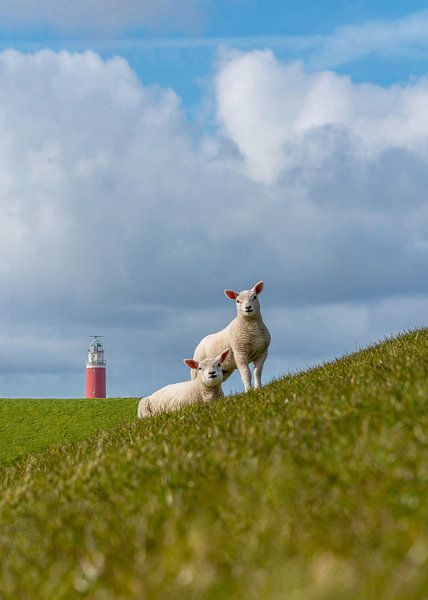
<point x="205" y="387"/>
<point x="247" y="337"/>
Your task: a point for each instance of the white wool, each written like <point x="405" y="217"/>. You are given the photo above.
<point x="247" y="336"/>
<point x="205" y="387"/>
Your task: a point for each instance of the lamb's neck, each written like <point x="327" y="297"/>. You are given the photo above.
<point x="249" y="322"/>
<point x="209" y="393"/>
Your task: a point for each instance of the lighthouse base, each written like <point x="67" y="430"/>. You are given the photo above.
<point x="95" y="382"/>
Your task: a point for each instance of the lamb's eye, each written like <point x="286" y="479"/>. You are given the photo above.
<point x="238" y="301"/>
<point x="254" y="297"/>
<point x="218" y="366"/>
<point x="200" y="369"/>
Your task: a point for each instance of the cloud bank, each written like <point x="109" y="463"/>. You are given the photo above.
<point x="120" y="218"/>
<point x="287" y="110"/>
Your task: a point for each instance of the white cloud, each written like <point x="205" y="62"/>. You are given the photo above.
<point x="111" y="15"/>
<point x="118" y="218"/>
<point x="275" y="111"/>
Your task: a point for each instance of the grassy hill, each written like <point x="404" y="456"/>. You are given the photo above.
<point x="313" y="488"/>
<point x="28" y="426"/>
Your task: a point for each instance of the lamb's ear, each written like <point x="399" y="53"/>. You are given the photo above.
<point x="231" y="294"/>
<point x="191" y="363"/>
<point x="258" y="288"/>
<point x="222" y="357"/>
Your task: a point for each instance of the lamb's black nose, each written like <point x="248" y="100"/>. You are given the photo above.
<point x="211" y="373"/>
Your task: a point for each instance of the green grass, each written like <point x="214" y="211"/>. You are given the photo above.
<point x="313" y="488"/>
<point x="28" y="426"/>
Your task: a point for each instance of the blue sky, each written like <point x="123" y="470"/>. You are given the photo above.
<point x="183" y="57"/>
<point x="153" y="154"/>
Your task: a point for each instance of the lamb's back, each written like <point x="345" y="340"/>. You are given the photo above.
<point x="170" y="397"/>
<point x="213" y="345"/>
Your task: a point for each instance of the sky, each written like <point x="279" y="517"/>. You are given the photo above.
<point x="153" y="154"/>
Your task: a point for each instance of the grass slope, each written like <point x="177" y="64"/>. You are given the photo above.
<point x="313" y="488"/>
<point x="28" y="426"/>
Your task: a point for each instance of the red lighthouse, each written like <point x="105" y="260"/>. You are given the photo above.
<point x="96" y="370"/>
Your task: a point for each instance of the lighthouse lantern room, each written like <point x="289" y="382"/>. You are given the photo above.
<point x="96" y="369"/>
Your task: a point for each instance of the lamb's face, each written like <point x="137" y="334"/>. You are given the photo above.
<point x="209" y="371"/>
<point x="247" y="301"/>
<point x="247" y="304"/>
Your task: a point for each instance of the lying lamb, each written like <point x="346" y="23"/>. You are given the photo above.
<point x="206" y="386"/>
<point x="247" y="337"/>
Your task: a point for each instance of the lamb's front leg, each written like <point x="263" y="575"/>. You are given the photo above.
<point x="244" y="370"/>
<point x="258" y="369"/>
